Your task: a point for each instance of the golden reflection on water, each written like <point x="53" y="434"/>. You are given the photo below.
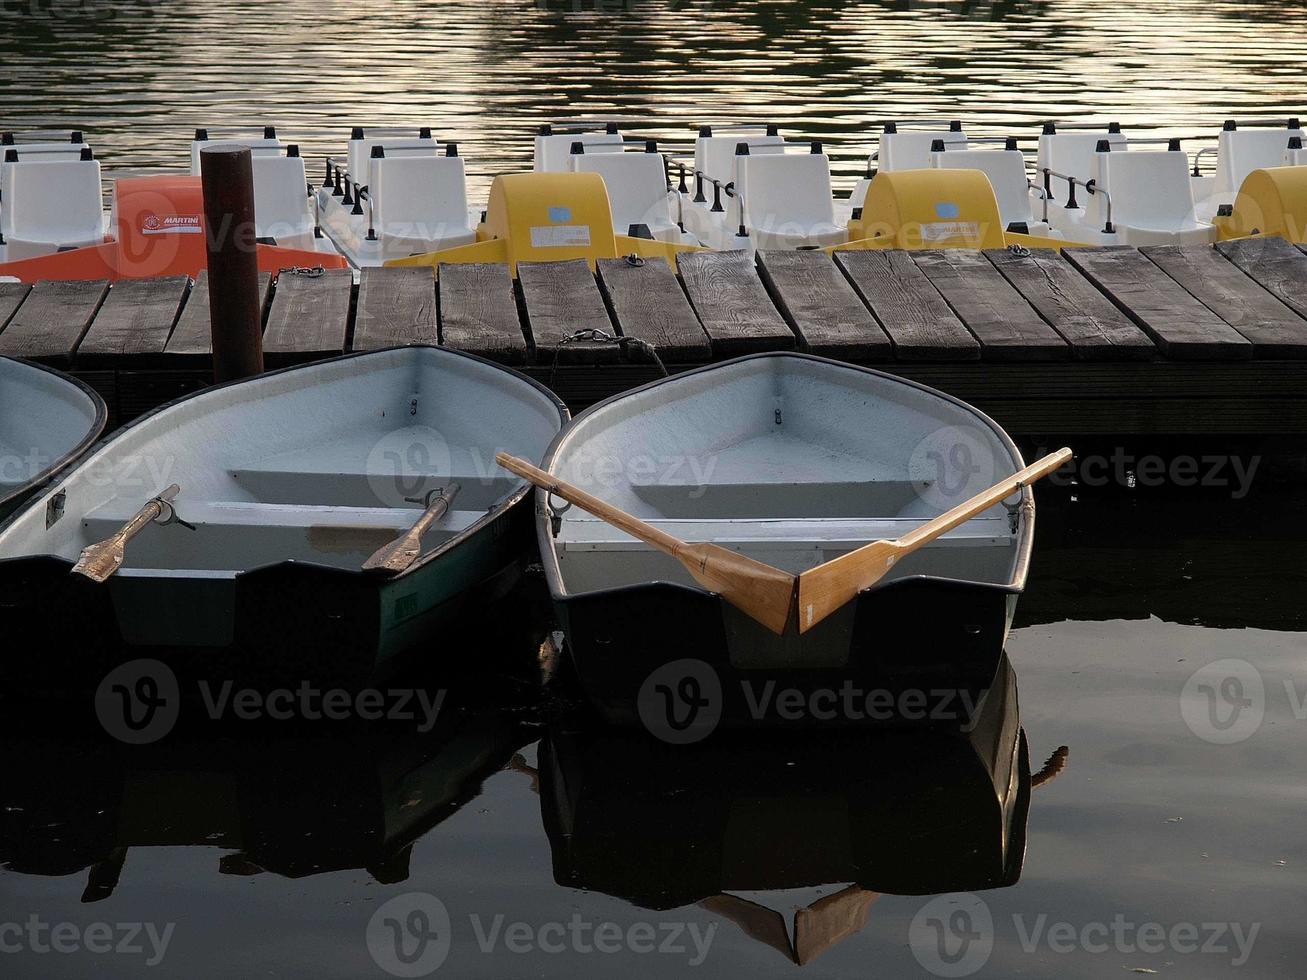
<point x="139" y="75"/>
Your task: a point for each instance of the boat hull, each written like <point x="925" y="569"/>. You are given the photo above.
<point x="278" y="626"/>
<point x="916" y="652"/>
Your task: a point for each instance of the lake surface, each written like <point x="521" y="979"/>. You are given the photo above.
<point x="139" y="75"/>
<point x="1163" y="639"/>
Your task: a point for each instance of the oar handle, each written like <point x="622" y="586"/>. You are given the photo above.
<point x="607" y="512"/>
<point x="984" y="500"/>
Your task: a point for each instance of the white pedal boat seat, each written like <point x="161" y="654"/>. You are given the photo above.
<point x="267" y="145"/>
<point x="1151" y="200"/>
<point x="784" y="200"/>
<point x="51" y="203"/>
<point x="638" y="193"/>
<point x="1006" y="170"/>
<point x="907" y="149"/>
<point x="715" y="159"/>
<point x="1238" y="153"/>
<point x="553" y="151"/>
<point x="1072" y="154"/>
<point x="283" y="210"/>
<point x="419" y="203"/>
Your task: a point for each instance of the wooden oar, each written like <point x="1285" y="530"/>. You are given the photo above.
<point x="759" y="590"/>
<point x="828" y="587"/>
<point x="401" y="553"/>
<point x="99" y="561"/>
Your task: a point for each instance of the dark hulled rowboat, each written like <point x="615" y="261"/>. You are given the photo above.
<point x="290" y="482"/>
<point x="794" y="461"/>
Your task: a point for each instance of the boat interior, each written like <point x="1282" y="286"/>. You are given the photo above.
<point x="344" y="460"/>
<point x="773" y="457"/>
<point x="43" y="417"/>
<point x="400" y="192"/>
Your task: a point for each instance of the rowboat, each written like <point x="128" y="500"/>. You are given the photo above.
<point x="788" y="464"/>
<point x="242" y="518"/>
<point x="901" y="813"/>
<point x="47" y="420"/>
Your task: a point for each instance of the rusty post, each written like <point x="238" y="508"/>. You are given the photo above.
<point x="235" y="314"/>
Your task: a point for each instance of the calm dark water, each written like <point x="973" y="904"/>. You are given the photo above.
<point x="139" y="75"/>
<point x="1176" y="825"/>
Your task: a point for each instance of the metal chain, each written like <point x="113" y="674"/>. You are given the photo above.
<point x="595" y="335"/>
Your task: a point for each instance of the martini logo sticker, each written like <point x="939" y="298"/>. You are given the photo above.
<point x="173" y="224"/>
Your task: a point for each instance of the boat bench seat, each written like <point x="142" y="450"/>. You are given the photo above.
<point x="591" y="534"/>
<point x="245" y="513"/>
<point x="1071" y="154"/>
<point x="52" y="204"/>
<point x="302" y="486"/>
<point x="359" y="155"/>
<point x="421" y="200"/>
<point x="911" y="148"/>
<point x="637" y="190"/>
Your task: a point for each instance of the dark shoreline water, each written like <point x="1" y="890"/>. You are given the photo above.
<point x="269" y="847"/>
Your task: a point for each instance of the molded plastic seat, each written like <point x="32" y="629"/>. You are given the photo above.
<point x="258" y="148"/>
<point x="715" y="155"/>
<point x="359" y="157"/>
<point x="1151" y="201"/>
<point x="637" y="190"/>
<point x="1006" y="170"/>
<point x="787" y="200"/>
<point x="420" y="203"/>
<point x="1071" y="154"/>
<point x="911" y="148"/>
<point x="281" y="202"/>
<point x="1295" y="157"/>
<point x="1238" y="153"/>
<point x="553" y="152"/>
<point x="50" y="205"/>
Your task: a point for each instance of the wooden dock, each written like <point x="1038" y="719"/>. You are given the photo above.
<point x="1111" y="341"/>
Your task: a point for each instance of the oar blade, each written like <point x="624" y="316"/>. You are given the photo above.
<point x="829" y="587"/>
<point x="761" y="591"/>
<point x="396" y="557"/>
<point x="99" y="561"/>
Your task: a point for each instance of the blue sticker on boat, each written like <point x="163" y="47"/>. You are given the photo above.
<point x="560" y="215"/>
<point x="946" y="210"/>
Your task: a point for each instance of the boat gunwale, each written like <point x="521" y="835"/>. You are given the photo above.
<point x="549" y="555"/>
<point x="504" y="505"/>
<point x="92" y="439"/>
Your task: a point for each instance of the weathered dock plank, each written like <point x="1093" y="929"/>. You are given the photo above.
<point x="309" y="318"/>
<point x="396" y="307"/>
<point x="1221" y="286"/>
<point x="648" y="303"/>
<point x="193" y="336"/>
<point x="562" y="298"/>
<point x="1086" y="319"/>
<point x="1180" y="325"/>
<point x="52" y="320"/>
<point x="1007" y="327"/>
<point x="822" y="307"/>
<point x="134" y="321"/>
<point x="12" y="295"/>
<point x="911" y="310"/>
<point x="1277" y="266"/>
<point x="478" y="312"/>
<point x="733" y="304"/>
